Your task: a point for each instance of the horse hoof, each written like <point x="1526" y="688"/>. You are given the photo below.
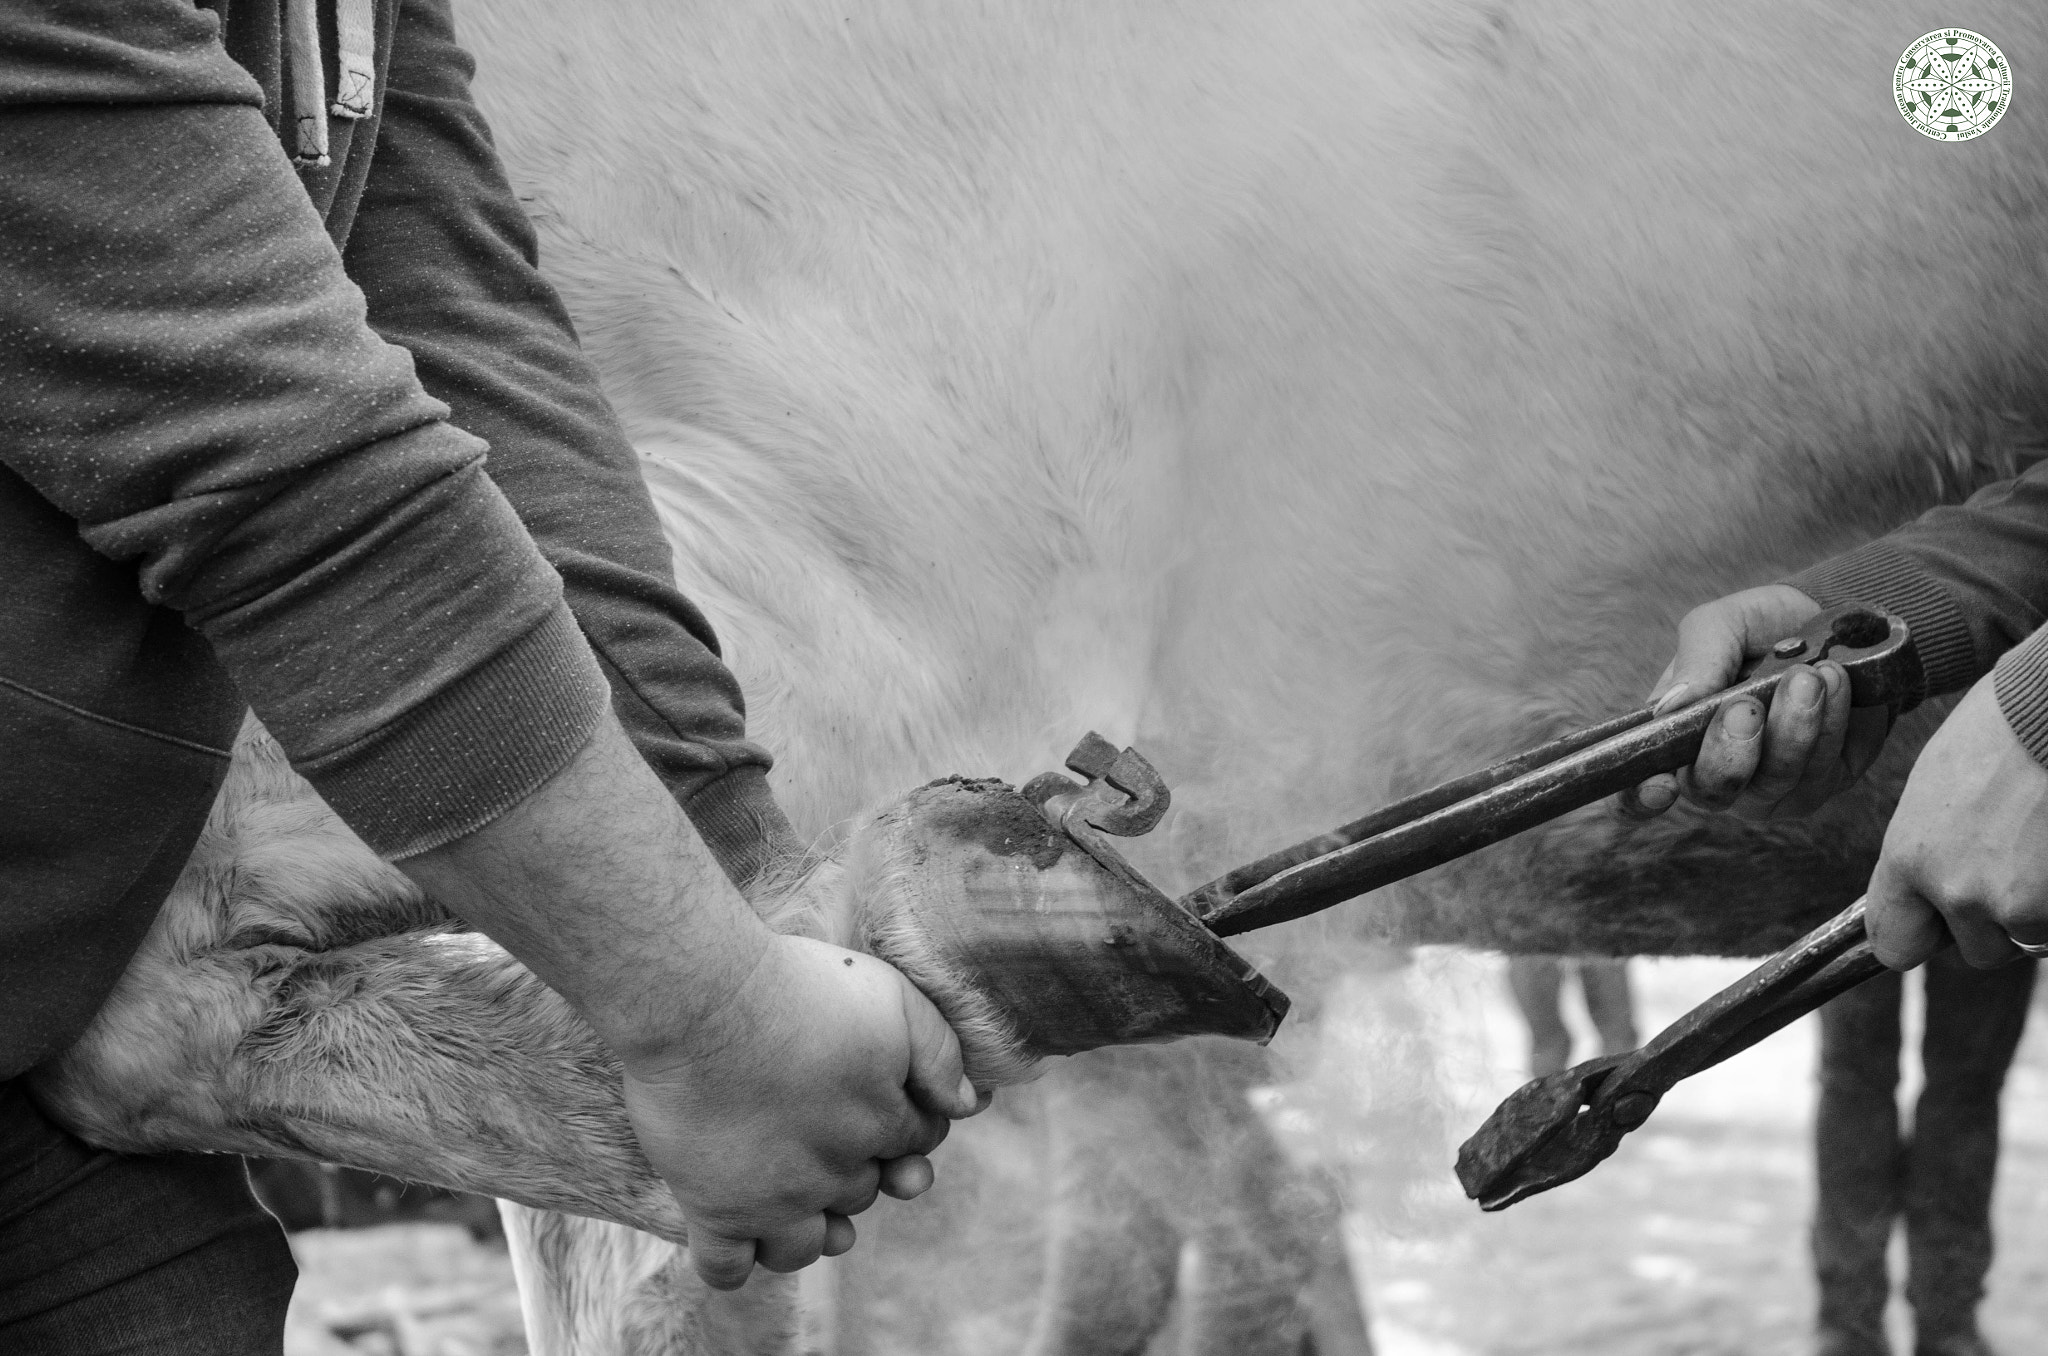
<point x="1031" y="946"/>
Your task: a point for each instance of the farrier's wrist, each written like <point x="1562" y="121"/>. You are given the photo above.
<point x="1879" y="572"/>
<point x="689" y="989"/>
<point x="600" y="885"/>
<point x="2020" y="683"/>
<point x="739" y="820"/>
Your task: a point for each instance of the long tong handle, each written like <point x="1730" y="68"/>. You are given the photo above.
<point x="1214" y="898"/>
<point x="1831" y="959"/>
<point x="1449" y="821"/>
<point x="1855" y="964"/>
<point x="1476" y="821"/>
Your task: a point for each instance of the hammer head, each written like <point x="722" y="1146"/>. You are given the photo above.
<point x="1030" y="943"/>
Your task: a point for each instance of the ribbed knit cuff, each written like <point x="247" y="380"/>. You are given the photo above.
<point x="2020" y="682"/>
<point x="1891" y="579"/>
<point x="738" y="819"/>
<point x="473" y="750"/>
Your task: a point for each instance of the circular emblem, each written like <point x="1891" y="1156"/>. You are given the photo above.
<point x="1952" y="84"/>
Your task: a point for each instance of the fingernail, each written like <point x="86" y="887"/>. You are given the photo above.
<point x="1743" y="720"/>
<point x="1803" y="688"/>
<point x="967" y="1096"/>
<point x="1657" y="796"/>
<point x="1671" y="700"/>
<point x="1833" y="676"/>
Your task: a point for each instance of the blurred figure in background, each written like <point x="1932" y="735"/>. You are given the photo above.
<point x="1538" y="985"/>
<point x="1870" y="1173"/>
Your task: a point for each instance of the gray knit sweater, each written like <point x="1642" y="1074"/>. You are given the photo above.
<point x="1971" y="580"/>
<point x="244" y="413"/>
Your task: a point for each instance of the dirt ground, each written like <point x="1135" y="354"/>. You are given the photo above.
<point x="1689" y="1242"/>
<point x="402" y="1290"/>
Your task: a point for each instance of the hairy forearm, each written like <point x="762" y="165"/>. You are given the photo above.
<point x="598" y="882"/>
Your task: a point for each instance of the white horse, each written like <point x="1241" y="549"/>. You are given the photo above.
<point x="1326" y="397"/>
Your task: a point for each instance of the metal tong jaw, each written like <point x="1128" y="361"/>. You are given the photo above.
<point x="1558" y="1128"/>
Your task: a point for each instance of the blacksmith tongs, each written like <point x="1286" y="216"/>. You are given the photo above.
<point x="1557" y="1128"/>
<point x="1461" y="816"/>
<point x="1560" y="1127"/>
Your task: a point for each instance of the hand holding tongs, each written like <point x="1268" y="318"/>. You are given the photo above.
<point x="1556" y="1128"/>
<point x="1461" y="816"/>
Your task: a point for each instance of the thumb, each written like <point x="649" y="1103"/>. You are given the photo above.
<point x="724" y="1263"/>
<point x="1715" y="639"/>
<point x="938" y="1078"/>
<point x="1710" y="654"/>
<point x="1904" y="928"/>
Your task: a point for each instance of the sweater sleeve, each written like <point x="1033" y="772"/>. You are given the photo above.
<point x="187" y="372"/>
<point x="449" y="264"/>
<point x="1971" y="580"/>
<point x="151" y="52"/>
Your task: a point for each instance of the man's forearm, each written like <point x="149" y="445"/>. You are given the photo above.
<point x="448" y="264"/>
<point x="600" y="885"/>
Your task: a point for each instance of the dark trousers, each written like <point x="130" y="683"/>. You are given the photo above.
<point x="103" y="1253"/>
<point x="1939" y="1176"/>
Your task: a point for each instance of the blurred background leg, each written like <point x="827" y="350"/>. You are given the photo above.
<point x="1536" y="982"/>
<point x="1604" y="981"/>
<point x="1857" y="1159"/>
<point x="1974" y="1022"/>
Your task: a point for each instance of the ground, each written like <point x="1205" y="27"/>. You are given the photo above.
<point x="402" y="1290"/>
<point x="1689" y="1242"/>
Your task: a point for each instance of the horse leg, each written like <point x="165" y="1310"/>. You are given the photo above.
<point x="1262" y="1231"/>
<point x="1111" y="1252"/>
<point x="1158" y="1152"/>
<point x="591" y="1288"/>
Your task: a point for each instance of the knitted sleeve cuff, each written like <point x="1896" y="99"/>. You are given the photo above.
<point x="1881" y="574"/>
<point x="2020" y="682"/>
<point x="738" y="819"/>
<point x="473" y="750"/>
